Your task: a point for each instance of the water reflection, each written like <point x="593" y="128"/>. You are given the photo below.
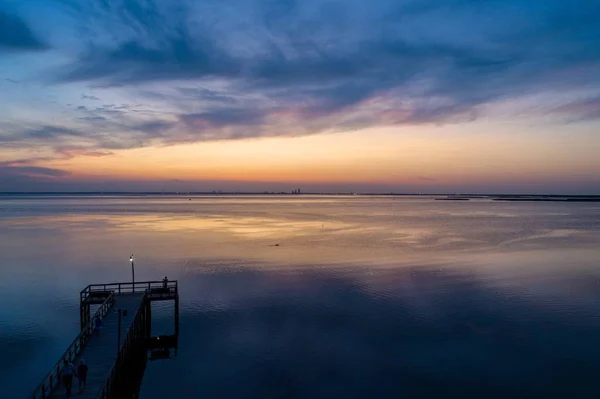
<point x="404" y="233"/>
<point x="377" y="297"/>
<point x="410" y="332"/>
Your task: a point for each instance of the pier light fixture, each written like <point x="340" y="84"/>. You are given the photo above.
<point x="132" y="273"/>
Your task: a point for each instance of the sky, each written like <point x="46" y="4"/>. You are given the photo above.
<point x="428" y="96"/>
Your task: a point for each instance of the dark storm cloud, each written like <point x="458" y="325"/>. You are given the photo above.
<point x="15" y="35"/>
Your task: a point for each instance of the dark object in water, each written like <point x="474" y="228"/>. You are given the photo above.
<point x="162" y="347"/>
<point x="162" y="341"/>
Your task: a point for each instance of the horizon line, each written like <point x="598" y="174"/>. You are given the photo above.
<point x="353" y="193"/>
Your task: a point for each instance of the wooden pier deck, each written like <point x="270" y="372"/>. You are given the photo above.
<point x="101" y="350"/>
<point x="113" y="369"/>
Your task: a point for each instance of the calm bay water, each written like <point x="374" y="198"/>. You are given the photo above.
<point x="320" y="297"/>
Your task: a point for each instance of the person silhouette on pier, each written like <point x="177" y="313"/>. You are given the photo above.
<point x="82" y="371"/>
<point x="98" y="323"/>
<point x="67" y="372"/>
<point x="165" y="282"/>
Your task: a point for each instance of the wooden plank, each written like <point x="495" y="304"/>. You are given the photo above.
<point x="101" y="351"/>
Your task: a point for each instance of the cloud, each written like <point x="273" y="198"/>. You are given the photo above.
<point x="206" y="94"/>
<point x="213" y="70"/>
<point x="224" y="117"/>
<point x="93" y="119"/>
<point x="587" y="108"/>
<point x="71" y="151"/>
<point x="95" y="135"/>
<point x="49" y="132"/>
<point x="97" y="154"/>
<point x="11" y="169"/>
<point x="325" y="64"/>
<point x="30" y="178"/>
<point x="107" y="110"/>
<point x="15" y="35"/>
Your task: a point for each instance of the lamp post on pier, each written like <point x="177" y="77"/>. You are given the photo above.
<point x="132" y="273"/>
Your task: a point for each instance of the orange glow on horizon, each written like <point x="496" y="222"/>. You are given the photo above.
<point x="424" y="155"/>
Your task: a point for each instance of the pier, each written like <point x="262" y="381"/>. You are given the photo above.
<point x="117" y="355"/>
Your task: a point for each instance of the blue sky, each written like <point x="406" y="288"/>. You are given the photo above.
<point x="86" y="82"/>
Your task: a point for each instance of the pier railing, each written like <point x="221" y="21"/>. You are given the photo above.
<point x="132" y="349"/>
<point x="52" y="379"/>
<point x="139" y="287"/>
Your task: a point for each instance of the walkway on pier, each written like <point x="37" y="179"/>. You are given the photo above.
<point x="112" y="370"/>
<point x="101" y="351"/>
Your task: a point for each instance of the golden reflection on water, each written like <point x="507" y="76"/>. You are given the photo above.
<point x="292" y="228"/>
<point x="240" y="226"/>
<point x="379" y="231"/>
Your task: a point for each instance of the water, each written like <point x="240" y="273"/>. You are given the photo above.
<point x="295" y="297"/>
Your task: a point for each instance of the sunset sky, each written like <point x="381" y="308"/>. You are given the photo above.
<point x="326" y="95"/>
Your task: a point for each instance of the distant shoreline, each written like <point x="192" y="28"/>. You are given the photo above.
<point x="440" y="196"/>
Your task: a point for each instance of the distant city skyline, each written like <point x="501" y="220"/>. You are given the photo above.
<point x="400" y="96"/>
